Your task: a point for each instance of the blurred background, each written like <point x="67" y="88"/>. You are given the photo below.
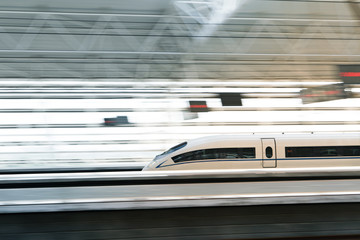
<point x="110" y="84"/>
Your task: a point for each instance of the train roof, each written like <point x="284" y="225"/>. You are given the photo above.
<point x="257" y="136"/>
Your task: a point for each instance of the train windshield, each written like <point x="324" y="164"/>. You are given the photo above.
<point x="171" y="150"/>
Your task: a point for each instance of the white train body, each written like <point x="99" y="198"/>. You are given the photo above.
<point x="256" y="151"/>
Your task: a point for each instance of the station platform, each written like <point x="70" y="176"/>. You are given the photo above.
<point x="306" y="209"/>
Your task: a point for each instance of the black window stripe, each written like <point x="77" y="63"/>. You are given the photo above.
<point x="215" y="153"/>
<point x="322" y="151"/>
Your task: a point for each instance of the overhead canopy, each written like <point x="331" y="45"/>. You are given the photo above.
<point x="161" y="39"/>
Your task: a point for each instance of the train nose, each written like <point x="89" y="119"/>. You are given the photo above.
<point x="149" y="166"/>
<point x="146" y="168"/>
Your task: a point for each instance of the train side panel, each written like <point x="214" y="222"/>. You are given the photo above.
<point x="221" y="163"/>
<point x="327" y="152"/>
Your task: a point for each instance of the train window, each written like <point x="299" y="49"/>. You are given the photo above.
<point x="322" y="151"/>
<point x="175" y="148"/>
<point x="216" y="153"/>
<point x="269" y="152"/>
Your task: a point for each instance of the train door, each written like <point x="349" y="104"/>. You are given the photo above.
<point x="268" y="152"/>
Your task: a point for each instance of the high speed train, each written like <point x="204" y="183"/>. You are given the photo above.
<point x="261" y="151"/>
